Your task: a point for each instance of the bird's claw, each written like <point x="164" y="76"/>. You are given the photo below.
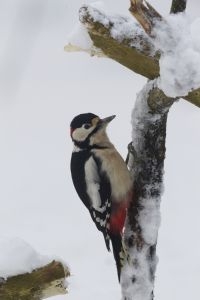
<point x="131" y="149"/>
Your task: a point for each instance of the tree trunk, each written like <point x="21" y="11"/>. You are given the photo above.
<point x="149" y="120"/>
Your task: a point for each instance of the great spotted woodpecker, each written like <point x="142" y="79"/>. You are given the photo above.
<point x="101" y="179"/>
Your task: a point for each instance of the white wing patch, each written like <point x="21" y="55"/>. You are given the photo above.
<point x="100" y="209"/>
<point x="93" y="184"/>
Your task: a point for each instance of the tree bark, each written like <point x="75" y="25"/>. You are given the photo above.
<point x="147" y="164"/>
<point x="40" y="284"/>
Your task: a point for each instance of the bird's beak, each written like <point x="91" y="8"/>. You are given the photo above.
<point x="107" y="120"/>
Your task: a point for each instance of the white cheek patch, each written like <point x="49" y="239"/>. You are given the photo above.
<point x="80" y="134"/>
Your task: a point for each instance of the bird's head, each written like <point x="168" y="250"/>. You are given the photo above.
<point x="88" y="129"/>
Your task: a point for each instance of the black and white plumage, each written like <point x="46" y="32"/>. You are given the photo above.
<point x="101" y="179"/>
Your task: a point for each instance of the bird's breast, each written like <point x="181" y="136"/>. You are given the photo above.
<point x="115" y="168"/>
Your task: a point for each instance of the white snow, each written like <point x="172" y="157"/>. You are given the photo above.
<point x="137" y="274"/>
<point x="126" y="28"/>
<point x="80" y="38"/>
<point x="149" y="219"/>
<point x="18" y="257"/>
<point x="179" y="42"/>
<point x="98" y="13"/>
<point x="141" y="112"/>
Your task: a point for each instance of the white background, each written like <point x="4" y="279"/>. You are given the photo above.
<point x="41" y="89"/>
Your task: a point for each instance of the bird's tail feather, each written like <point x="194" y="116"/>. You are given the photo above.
<point x="107" y="240"/>
<point x="118" y="251"/>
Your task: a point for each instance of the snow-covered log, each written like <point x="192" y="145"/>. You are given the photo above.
<point x="40" y="284"/>
<point x="149" y="119"/>
<point x="25" y="274"/>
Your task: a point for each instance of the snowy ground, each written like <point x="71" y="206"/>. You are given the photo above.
<point x="41" y="89"/>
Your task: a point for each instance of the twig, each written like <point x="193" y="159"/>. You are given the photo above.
<point x="145" y="14"/>
<point x="178" y="6"/>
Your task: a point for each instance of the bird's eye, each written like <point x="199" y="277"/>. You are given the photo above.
<point x="86" y="126"/>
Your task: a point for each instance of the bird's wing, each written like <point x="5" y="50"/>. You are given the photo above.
<point x="78" y="160"/>
<point x="99" y="191"/>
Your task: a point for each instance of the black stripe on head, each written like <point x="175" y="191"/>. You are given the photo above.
<point x="81" y="119"/>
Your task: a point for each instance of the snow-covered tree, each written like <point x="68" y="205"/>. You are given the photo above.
<point x="166" y="52"/>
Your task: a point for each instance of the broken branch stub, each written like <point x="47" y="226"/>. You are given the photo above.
<point x="145" y="14"/>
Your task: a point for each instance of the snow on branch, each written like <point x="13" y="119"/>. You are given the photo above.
<point x="173" y="37"/>
<point x="149" y="131"/>
<point x="119" y="38"/>
<point x="171" y="50"/>
<point x="180" y="55"/>
<point x="80" y="41"/>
